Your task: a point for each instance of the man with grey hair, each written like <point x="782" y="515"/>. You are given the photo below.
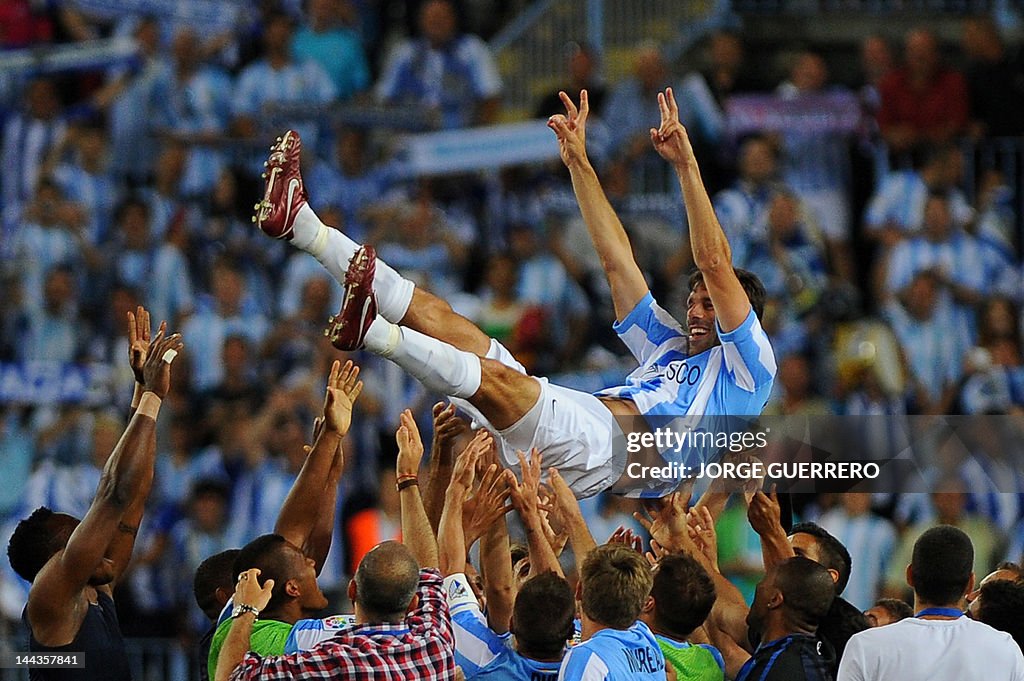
<point x="402" y="623"/>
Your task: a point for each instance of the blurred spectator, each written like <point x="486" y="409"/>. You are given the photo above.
<point x="582" y="72"/>
<point x="876" y="62"/>
<point x="221" y="315"/>
<point x="51" y="332"/>
<point x="923" y="102"/>
<point x="444" y="71"/>
<point x="350" y="181"/>
<point x="869" y="538"/>
<point x="164" y="196"/>
<point x="17" y="450"/>
<point x="329" y="40"/>
<point x="194" y="538"/>
<point x="897" y="207"/>
<point x="183" y="464"/>
<point x="922" y="323"/>
<point x="192" y="103"/>
<point x="129" y="100"/>
<point x="25" y="24"/>
<point x="144" y="263"/>
<point x="796" y="396"/>
<point x="277" y="78"/>
<point x="743" y="209"/>
<point x="995" y="80"/>
<point x="995" y="366"/>
<point x="739" y="548"/>
<point x="28" y="136"/>
<point x="501" y="310"/>
<point x="628" y="125"/>
<point x="790" y="261"/>
<point x="702" y="97"/>
<point x="85" y="177"/>
<point x="372" y="518"/>
<point x="949" y="501"/>
<point x="815" y="163"/>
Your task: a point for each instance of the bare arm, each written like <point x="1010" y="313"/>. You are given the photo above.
<point x="313" y="496"/>
<point x="526" y="499"/>
<point x="451" y="541"/>
<point x="416" y="531"/>
<point x="236" y="645"/>
<point x="572" y="517"/>
<point x="765" y="516"/>
<point x="496" y="565"/>
<point x="447" y="426"/>
<point x="123" y="488"/>
<point x="627" y="282"/>
<point x="711" y="252"/>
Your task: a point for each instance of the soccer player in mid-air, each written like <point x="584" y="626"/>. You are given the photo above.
<point x="721" y="365"/>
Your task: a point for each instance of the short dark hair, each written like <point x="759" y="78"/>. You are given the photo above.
<point x="518" y="551"/>
<point x="750" y="282"/>
<point x="268" y="554"/>
<point x="683" y="595"/>
<point x="216" y="572"/>
<point x="834" y="555"/>
<point x="614" y="581"/>
<point x="1002" y="607"/>
<point x="33" y="543"/>
<point x="897" y="609"/>
<point x="211" y="486"/>
<point x="807" y="588"/>
<point x="1010" y="566"/>
<point x="386" y="580"/>
<point x="941" y="565"/>
<point x="543" y="615"/>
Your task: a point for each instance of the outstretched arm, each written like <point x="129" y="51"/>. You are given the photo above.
<point x="526" y="499"/>
<point x="416" y="531"/>
<point x="447" y="427"/>
<point x="451" y="540"/>
<point x="124" y="486"/>
<point x="624" y="276"/>
<point x="711" y="252"/>
<point x="306" y="518"/>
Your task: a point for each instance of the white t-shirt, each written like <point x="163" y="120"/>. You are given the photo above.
<point x="932" y="650"/>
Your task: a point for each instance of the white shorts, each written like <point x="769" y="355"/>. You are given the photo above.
<point x="573" y="430"/>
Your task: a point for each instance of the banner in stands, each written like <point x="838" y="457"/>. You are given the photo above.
<point x="837" y="112"/>
<point x="45" y="383"/>
<point x="93" y="54"/>
<point x="458" y="151"/>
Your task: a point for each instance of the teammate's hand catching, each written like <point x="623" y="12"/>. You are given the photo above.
<point x="571" y="130"/>
<point x="342" y="392"/>
<point x="410" y="447"/>
<point x="671" y="140"/>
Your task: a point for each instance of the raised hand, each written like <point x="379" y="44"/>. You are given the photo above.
<point x="249" y="592"/>
<point x="447" y="428"/>
<point x="156" y="370"/>
<point x="764" y="513"/>
<point x="670" y="140"/>
<point x="667" y="523"/>
<point x="139" y="341"/>
<point x="526" y="494"/>
<point x="487" y="506"/>
<point x="625" y="536"/>
<point x="343" y="390"/>
<point x="410" y="446"/>
<point x="571" y="129"/>
<point x="702" y="532"/>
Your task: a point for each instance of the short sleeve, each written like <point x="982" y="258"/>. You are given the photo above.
<point x="582" y="664"/>
<point x="647" y="327"/>
<point x="749" y="357"/>
<point x="476" y="645"/>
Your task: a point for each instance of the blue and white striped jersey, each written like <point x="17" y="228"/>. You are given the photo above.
<point x="900" y="200"/>
<point x="734" y="378"/>
<point x="479" y="651"/>
<point x="615" y="655"/>
<point x="306" y="634"/>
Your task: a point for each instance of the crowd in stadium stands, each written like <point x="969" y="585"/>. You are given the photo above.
<point x="133" y="185"/>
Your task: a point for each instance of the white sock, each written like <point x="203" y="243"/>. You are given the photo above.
<point x="441" y="367"/>
<point x="334" y="250"/>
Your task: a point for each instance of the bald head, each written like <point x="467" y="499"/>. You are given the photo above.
<point x="386" y="581"/>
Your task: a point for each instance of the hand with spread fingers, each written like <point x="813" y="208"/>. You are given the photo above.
<point x="488" y="505"/>
<point x="410" y="446"/>
<point x="343" y="389"/>
<point x="249" y="592"/>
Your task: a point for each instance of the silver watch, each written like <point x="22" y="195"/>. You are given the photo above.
<point x="241" y="609"/>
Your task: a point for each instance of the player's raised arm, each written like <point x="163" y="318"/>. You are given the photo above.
<point x="624" y="276"/>
<point x="307" y="515"/>
<point x="100" y="546"/>
<point x="711" y="252"/>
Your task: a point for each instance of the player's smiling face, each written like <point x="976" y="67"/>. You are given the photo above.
<point x="700" y="320"/>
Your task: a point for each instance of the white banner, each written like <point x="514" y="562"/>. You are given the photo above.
<point x="457" y="151"/>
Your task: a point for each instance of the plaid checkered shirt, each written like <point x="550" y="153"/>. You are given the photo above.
<point x="421" y="648"/>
